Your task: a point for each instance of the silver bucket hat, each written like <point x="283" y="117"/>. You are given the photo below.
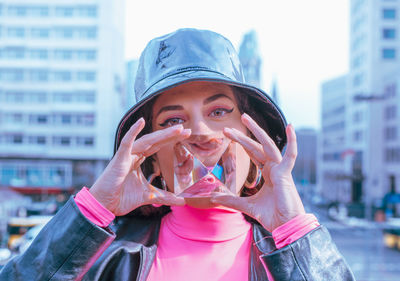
<point x="197" y="55"/>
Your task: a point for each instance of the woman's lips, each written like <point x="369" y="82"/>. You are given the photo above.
<point x="206" y="148"/>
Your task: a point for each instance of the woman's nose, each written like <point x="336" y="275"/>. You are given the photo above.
<point x="200" y="127"/>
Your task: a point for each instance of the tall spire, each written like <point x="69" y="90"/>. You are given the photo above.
<point x="250" y="58"/>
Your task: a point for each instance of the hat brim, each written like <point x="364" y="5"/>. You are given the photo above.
<point x="263" y="105"/>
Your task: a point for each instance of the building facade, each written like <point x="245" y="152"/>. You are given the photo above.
<point x="250" y="58"/>
<point x="305" y="169"/>
<point x="374" y="54"/>
<point x="371" y="145"/>
<point x="61" y="90"/>
<point x="131" y="70"/>
<point x="333" y="178"/>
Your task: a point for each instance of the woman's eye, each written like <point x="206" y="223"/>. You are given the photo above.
<point x="219" y="112"/>
<point x="171" y="122"/>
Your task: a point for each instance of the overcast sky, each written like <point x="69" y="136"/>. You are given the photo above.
<point x="302" y="43"/>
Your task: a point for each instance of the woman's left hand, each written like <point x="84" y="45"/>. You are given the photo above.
<point x="277" y="201"/>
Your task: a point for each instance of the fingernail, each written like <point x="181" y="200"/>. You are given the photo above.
<point x="140" y="121"/>
<point x="245" y="115"/>
<point x="228" y="130"/>
<point x="177" y="127"/>
<point x="187" y="131"/>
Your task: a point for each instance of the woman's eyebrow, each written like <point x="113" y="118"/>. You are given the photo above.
<point x="169" y="107"/>
<point x="215" y="97"/>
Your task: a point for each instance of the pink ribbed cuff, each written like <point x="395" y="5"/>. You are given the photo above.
<point x="294" y="229"/>
<point x="92" y="209"/>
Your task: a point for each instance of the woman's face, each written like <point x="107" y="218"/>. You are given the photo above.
<point x="206" y="108"/>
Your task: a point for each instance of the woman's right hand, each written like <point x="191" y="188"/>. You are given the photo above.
<point x="122" y="186"/>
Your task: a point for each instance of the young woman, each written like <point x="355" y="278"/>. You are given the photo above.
<point x="190" y="89"/>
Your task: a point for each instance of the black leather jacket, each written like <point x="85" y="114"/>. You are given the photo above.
<point x="72" y="248"/>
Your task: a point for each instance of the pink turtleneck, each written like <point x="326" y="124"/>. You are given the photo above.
<point x="189" y="248"/>
<point x="216" y="250"/>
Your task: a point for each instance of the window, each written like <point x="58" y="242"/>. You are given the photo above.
<point x="357" y="116"/>
<point x="389" y="33"/>
<point x="358" y="79"/>
<point x="86" y="76"/>
<point x="357" y="136"/>
<point x="65" y="140"/>
<point x="85" y="141"/>
<point x="66" y="11"/>
<point x="39" y="140"/>
<point x="390" y="133"/>
<point x="40" y="54"/>
<point x="39" y="75"/>
<point x="38" y="11"/>
<point x="35" y="173"/>
<point x="16" y="32"/>
<point x="13" y="118"/>
<point x="16" y="139"/>
<point x="392" y="154"/>
<point x="38" y="32"/>
<point x="11" y="75"/>
<point x="14" y="97"/>
<point x="86" y="96"/>
<point x="63" y="97"/>
<point x="74" y="97"/>
<point x="62" y="76"/>
<point x="19" y="11"/>
<point x="85" y="119"/>
<point x="38" y="119"/>
<point x="88" y="55"/>
<point x="389" y="13"/>
<point x="390" y="90"/>
<point x="358" y="61"/>
<point x="63" y="54"/>
<point x="390" y="112"/>
<point x="66" y="119"/>
<point x="87" y="11"/>
<point x="64" y="32"/>
<point x="88" y="32"/>
<point x="62" y="141"/>
<point x="14" y="52"/>
<point x="388" y="53"/>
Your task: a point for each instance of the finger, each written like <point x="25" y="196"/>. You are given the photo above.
<point x="158" y="137"/>
<point x="253" y="148"/>
<point x="162" y="197"/>
<point x="231" y="201"/>
<point x="268" y="144"/>
<point x="130" y="136"/>
<point x="157" y="146"/>
<point x="289" y="158"/>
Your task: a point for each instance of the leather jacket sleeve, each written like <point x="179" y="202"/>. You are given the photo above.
<point x="312" y="257"/>
<point x="65" y="249"/>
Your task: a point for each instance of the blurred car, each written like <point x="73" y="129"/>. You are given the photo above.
<point x="18" y="226"/>
<point x="391" y="233"/>
<point x="26" y="240"/>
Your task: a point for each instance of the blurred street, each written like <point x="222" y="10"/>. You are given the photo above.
<point x="361" y="243"/>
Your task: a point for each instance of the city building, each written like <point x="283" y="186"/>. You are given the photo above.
<point x="131" y="69"/>
<point x="374" y="54"/>
<point x="61" y="91"/>
<point x="305" y="169"/>
<point x="371" y="145"/>
<point x="333" y="179"/>
<point x="250" y="58"/>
